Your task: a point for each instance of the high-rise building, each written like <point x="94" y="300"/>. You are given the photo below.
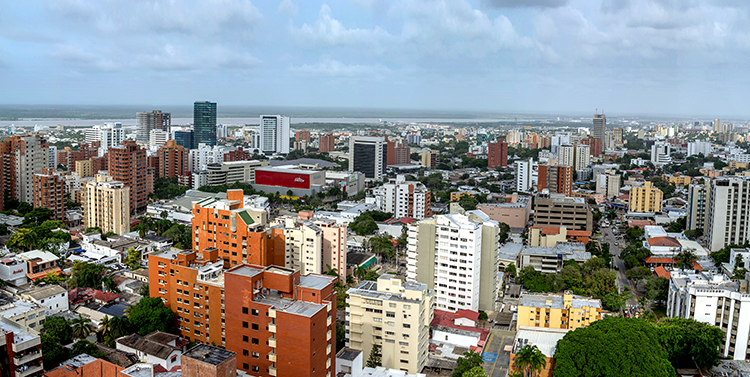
<point x="617" y="133"/>
<point x="645" y="199"/>
<point x="566" y="155"/>
<point x="222" y="131"/>
<point x="204" y="123"/>
<point x="68" y="157"/>
<point x="23" y="156"/>
<point x="699" y="147"/>
<point x="557" y="179"/>
<point x="202" y="155"/>
<point x="430" y="159"/>
<point x="523" y="175"/>
<point x="395" y="315"/>
<point x="456" y="255"/>
<point x="608" y="183"/>
<point x="184" y="139"/>
<point x="108" y="135"/>
<point x="49" y="192"/>
<point x="274" y="134"/>
<point x="415" y="139"/>
<point x="327" y="143"/>
<point x="404" y="199"/>
<point x="128" y="164"/>
<point x="107" y="205"/>
<point x="697" y="210"/>
<point x="728" y="212"/>
<point x="157" y="138"/>
<point x="600" y="125"/>
<point x="368" y="155"/>
<point x="334" y="245"/>
<point x="173" y="160"/>
<point x="280" y="323"/>
<point x="660" y="153"/>
<point x="303" y="249"/>
<point x="145" y="122"/>
<point x="497" y="154"/>
<point x="595" y="146"/>
<point x="402" y="154"/>
<point x="303" y="135"/>
<point x="583" y="157"/>
<point x="84" y="168"/>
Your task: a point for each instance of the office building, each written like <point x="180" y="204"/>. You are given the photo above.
<point x="456" y="255"/>
<point x="728" y="212"/>
<point x="107" y="205"/>
<point x="395" y="315"/>
<point x="226" y="173"/>
<point x="173" y="160"/>
<point x="274" y="134"/>
<point x="204" y="123"/>
<point x="697" y="147"/>
<point x="582" y="158"/>
<point x="222" y="131"/>
<point x="660" y="153"/>
<point x="145" y="122"/>
<point x="404" y="199"/>
<point x="557" y="311"/>
<point x="645" y="199"/>
<point x="128" y="164"/>
<point x="697" y="210"/>
<point x="49" y="192"/>
<point x="368" y="155"/>
<point x="716" y="301"/>
<point x="559" y="210"/>
<point x="157" y="138"/>
<point x="524" y="175"/>
<point x="566" y="155"/>
<point x="398" y="153"/>
<point x="608" y="183"/>
<point x="600" y="126"/>
<point x="497" y="154"/>
<point x="23" y="156"/>
<point x="557" y="179"/>
<point x="327" y="143"/>
<point x="184" y="139"/>
<point x="430" y="159"/>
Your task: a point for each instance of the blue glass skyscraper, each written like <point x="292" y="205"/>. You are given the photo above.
<point x="204" y="123"/>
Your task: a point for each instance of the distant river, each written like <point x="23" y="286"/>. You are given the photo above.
<point x="27" y="123"/>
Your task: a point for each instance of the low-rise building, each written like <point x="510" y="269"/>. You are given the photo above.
<point x="551" y="259"/>
<point x="559" y="210"/>
<point x="85" y="365"/>
<point x="349" y="364"/>
<point x="557" y="311"/>
<point x="514" y="211"/>
<point x="545" y="339"/>
<point x="677" y="179"/>
<point x="53" y="298"/>
<point x="40" y="263"/>
<point x="549" y="236"/>
<point x="13" y="270"/>
<point x="156" y="348"/>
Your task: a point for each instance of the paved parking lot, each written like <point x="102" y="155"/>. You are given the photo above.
<point x="496" y="361"/>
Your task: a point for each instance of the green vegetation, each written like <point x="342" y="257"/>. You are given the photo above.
<point x="57" y="333"/>
<point x="34" y="235"/>
<point x="84" y="346"/>
<point x="167" y="188"/>
<point x="151" y="315"/>
<point x="467" y="362"/>
<point x="86" y="275"/>
<point x="374" y="360"/>
<point x="511" y="270"/>
<point x="178" y="233"/>
<point x="365" y="224"/>
<point x="530" y="360"/>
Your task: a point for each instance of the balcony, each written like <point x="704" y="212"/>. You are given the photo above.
<point x="328" y="335"/>
<point x="272" y="328"/>
<point x="272" y="371"/>
<point x="27" y="357"/>
<point x="29" y="370"/>
<point x="271" y="313"/>
<point x="328" y="323"/>
<point x="272" y="342"/>
<point x="272" y="356"/>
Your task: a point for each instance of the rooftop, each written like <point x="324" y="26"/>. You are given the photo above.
<point x="556" y="301"/>
<point x="208" y="354"/>
<point x="147" y="346"/>
<point x="43" y="256"/>
<point x="544" y="338"/>
<point x="316" y="281"/>
<point x="40" y="293"/>
<point x="347" y="353"/>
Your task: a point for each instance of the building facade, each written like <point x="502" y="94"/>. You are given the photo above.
<point x="405" y="199"/>
<point x="49" y="192"/>
<point x="23" y="156"/>
<point x="327" y="143"/>
<point x="608" y="183"/>
<point x="173" y="160"/>
<point x="728" y="212"/>
<point x="154" y="120"/>
<point x="128" y="164"/>
<point x="107" y="205"/>
<point x="600" y="126"/>
<point x="497" y="154"/>
<point x="274" y="134"/>
<point x="645" y="199"/>
<point x="204" y="123"/>
<point x="697" y="201"/>
<point x="566" y="311"/>
<point x="559" y="210"/>
<point x="368" y="155"/>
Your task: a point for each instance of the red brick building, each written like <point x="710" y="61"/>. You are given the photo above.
<point x="327" y="143"/>
<point x="497" y="154"/>
<point x="557" y="179"/>
<point x="173" y="160"/>
<point x="595" y="146"/>
<point x="49" y="192"/>
<point x="128" y="164"/>
<point x="208" y="361"/>
<point x="68" y="157"/>
<point x="302" y="135"/>
<point x="238" y="154"/>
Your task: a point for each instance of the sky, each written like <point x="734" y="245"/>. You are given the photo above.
<point x="661" y="57"/>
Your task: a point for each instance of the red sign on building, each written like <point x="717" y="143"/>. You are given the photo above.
<point x="282" y="179"/>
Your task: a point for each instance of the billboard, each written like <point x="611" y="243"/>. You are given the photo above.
<point x="282" y="179"/>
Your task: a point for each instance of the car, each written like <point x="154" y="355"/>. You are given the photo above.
<point x="617" y="268"/>
<point x="617" y="243"/>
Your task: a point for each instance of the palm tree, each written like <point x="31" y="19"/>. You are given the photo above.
<point x="105" y="326"/>
<point x="81" y="327"/>
<point x="360" y="272"/>
<point x="685" y="258"/>
<point x="331" y="271"/>
<point x="530" y="360"/>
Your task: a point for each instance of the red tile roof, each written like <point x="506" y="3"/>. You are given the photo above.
<point x="105" y="296"/>
<point x="445" y="318"/>
<point x="664" y="241"/>
<point x="98" y="368"/>
<point x="660" y="260"/>
<point x="661" y="271"/>
<point x="579" y="233"/>
<point x="697" y="266"/>
<point x="640" y="223"/>
<point x="466" y="313"/>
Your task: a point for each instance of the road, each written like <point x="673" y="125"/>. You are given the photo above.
<point x="622" y="281"/>
<point x="496" y="360"/>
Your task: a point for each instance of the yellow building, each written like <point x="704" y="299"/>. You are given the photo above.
<point x="677" y="179"/>
<point x="645" y="199"/>
<point x="455" y="196"/>
<point x="557" y="311"/>
<point x="738" y="165"/>
<point x="83" y="168"/>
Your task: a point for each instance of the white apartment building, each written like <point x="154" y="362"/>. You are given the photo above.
<point x="728" y="212"/>
<point x="404" y="199"/>
<point x="697" y="200"/>
<point x="303" y="249"/>
<point x="740" y="157"/>
<point x="395" y="315"/>
<point x="697" y="147"/>
<point x="274" y="134"/>
<point x="52" y="157"/>
<point x="660" y="153"/>
<point x="566" y="155"/>
<point x="334" y="245"/>
<point x="199" y="158"/>
<point x="109" y="135"/>
<point x="157" y="138"/>
<point x="107" y="205"/>
<point x="583" y="157"/>
<point x="608" y="183"/>
<point x="714" y="300"/>
<point x="456" y="255"/>
<point x="523" y="175"/>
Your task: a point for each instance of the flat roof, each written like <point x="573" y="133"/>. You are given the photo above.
<point x="544" y="338"/>
<point x="556" y="301"/>
<point x="43" y="255"/>
<point x="347" y="353"/>
<point x="246" y="270"/>
<point x="316" y="281"/>
<point x="39" y="293"/>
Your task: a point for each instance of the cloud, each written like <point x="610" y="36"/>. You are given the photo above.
<point x="80" y="58"/>
<point x="287" y="7"/>
<point x="334" y="68"/>
<point x="525" y="3"/>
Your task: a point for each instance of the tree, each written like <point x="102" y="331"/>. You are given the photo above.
<point x="475" y="372"/>
<point x="134" y="258"/>
<point x="686" y="339"/>
<point x="81" y="327"/>
<point x="53" y="351"/>
<point x="24" y="208"/>
<point x="364" y="225"/>
<point x="613" y="347"/>
<point x="468" y="202"/>
<point x="372" y="275"/>
<point x="657" y="288"/>
<point x="58" y="328"/>
<point x="467" y="362"/>
<point x="374" y="360"/>
<point x="331" y="271"/>
<point x="25" y="239"/>
<point x="511" y="269"/>
<point x="151" y="315"/>
<point x="530" y="360"/>
<point x="38" y="215"/>
<point x="504" y="232"/>
<point x="685" y="259"/>
<point x="340" y="336"/>
<point x="84" y="346"/>
<point x="144" y="291"/>
<point x="360" y="272"/>
<point x="86" y="275"/>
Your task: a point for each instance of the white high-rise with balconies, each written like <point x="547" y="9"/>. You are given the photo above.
<point x="660" y="153"/>
<point x="274" y="134"/>
<point x="523" y="175"/>
<point x="583" y="157"/>
<point x="566" y="155"/>
<point x="404" y="198"/>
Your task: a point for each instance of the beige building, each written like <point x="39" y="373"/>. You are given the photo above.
<point x="515" y="211"/>
<point x="557" y="311"/>
<point x="84" y="168"/>
<point x="334" y="245"/>
<point x="559" y="210"/>
<point x="107" y="205"/>
<point x="677" y="179"/>
<point x="645" y="199"/>
<point x="429" y="159"/>
<point x="608" y="184"/>
<point x="395" y="315"/>
<point x="550" y="236"/>
<point x="303" y="246"/>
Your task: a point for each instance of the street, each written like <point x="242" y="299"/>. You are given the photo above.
<point x="496" y="360"/>
<point x="622" y="281"/>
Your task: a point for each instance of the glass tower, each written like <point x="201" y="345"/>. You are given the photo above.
<point x="204" y="123"/>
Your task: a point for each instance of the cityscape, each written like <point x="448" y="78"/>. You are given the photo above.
<point x="371" y="188"/>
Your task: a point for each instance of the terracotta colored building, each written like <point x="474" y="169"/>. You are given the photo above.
<point x="302" y="135"/>
<point x="173" y="160"/>
<point x="595" y="146"/>
<point x="98" y="164"/>
<point x="49" y="192"/>
<point x="497" y="154"/>
<point x="327" y="143"/>
<point x="128" y="164"/>
<point x="557" y="179"/>
<point x="238" y="154"/>
<point x="68" y="157"/>
<point x="209" y="361"/>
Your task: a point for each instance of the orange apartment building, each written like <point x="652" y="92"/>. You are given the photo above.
<point x="302" y="135"/>
<point x="68" y="157"/>
<point x="327" y="143"/>
<point x="49" y="192"/>
<point x="128" y="164"/>
<point x="497" y="154"/>
<point x="173" y="160"/>
<point x="557" y="179"/>
<point x="281" y="323"/>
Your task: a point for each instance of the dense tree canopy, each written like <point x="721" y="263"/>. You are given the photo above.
<point x="467" y="362"/>
<point x="151" y="315"/>
<point x="686" y="339"/>
<point x="86" y="275"/>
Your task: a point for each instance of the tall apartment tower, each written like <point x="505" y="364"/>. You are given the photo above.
<point x="608" y="183"/>
<point x="368" y="155"/>
<point x="327" y="143"/>
<point x="405" y="199"/>
<point x="303" y="246"/>
<point x="456" y="255"/>
<point x="497" y="154"/>
<point x="49" y="192"/>
<point x="155" y="120"/>
<point x="108" y="135"/>
<point x="430" y="159"/>
<point x="600" y="125"/>
<point x="173" y="160"/>
<point x="204" y="123"/>
<point x="566" y="155"/>
<point x="728" y="212"/>
<point x="583" y="157"/>
<point x="557" y="179"/>
<point x="184" y="139"/>
<point x="107" y="205"/>
<point x="302" y="135"/>
<point x="274" y="134"/>
<point x="595" y="146"/>
<point x="23" y="156"/>
<point x="645" y="199"/>
<point x="128" y="164"/>
<point x="395" y="315"/>
<point x="524" y="174"/>
<point x="334" y="245"/>
<point x="697" y="201"/>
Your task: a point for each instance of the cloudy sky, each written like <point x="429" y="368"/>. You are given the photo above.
<point x="671" y="57"/>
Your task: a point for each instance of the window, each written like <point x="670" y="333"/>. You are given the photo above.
<point x="255" y="312"/>
<point x="390" y="314"/>
<point x="255" y="341"/>
<point x="245" y="366"/>
<point x="255" y="327"/>
<point x="244" y="310"/>
<point x="245" y="353"/>
<point x="244" y="325"/>
<point x="245" y="339"/>
<point x="256" y="355"/>
<point x="255" y="368"/>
